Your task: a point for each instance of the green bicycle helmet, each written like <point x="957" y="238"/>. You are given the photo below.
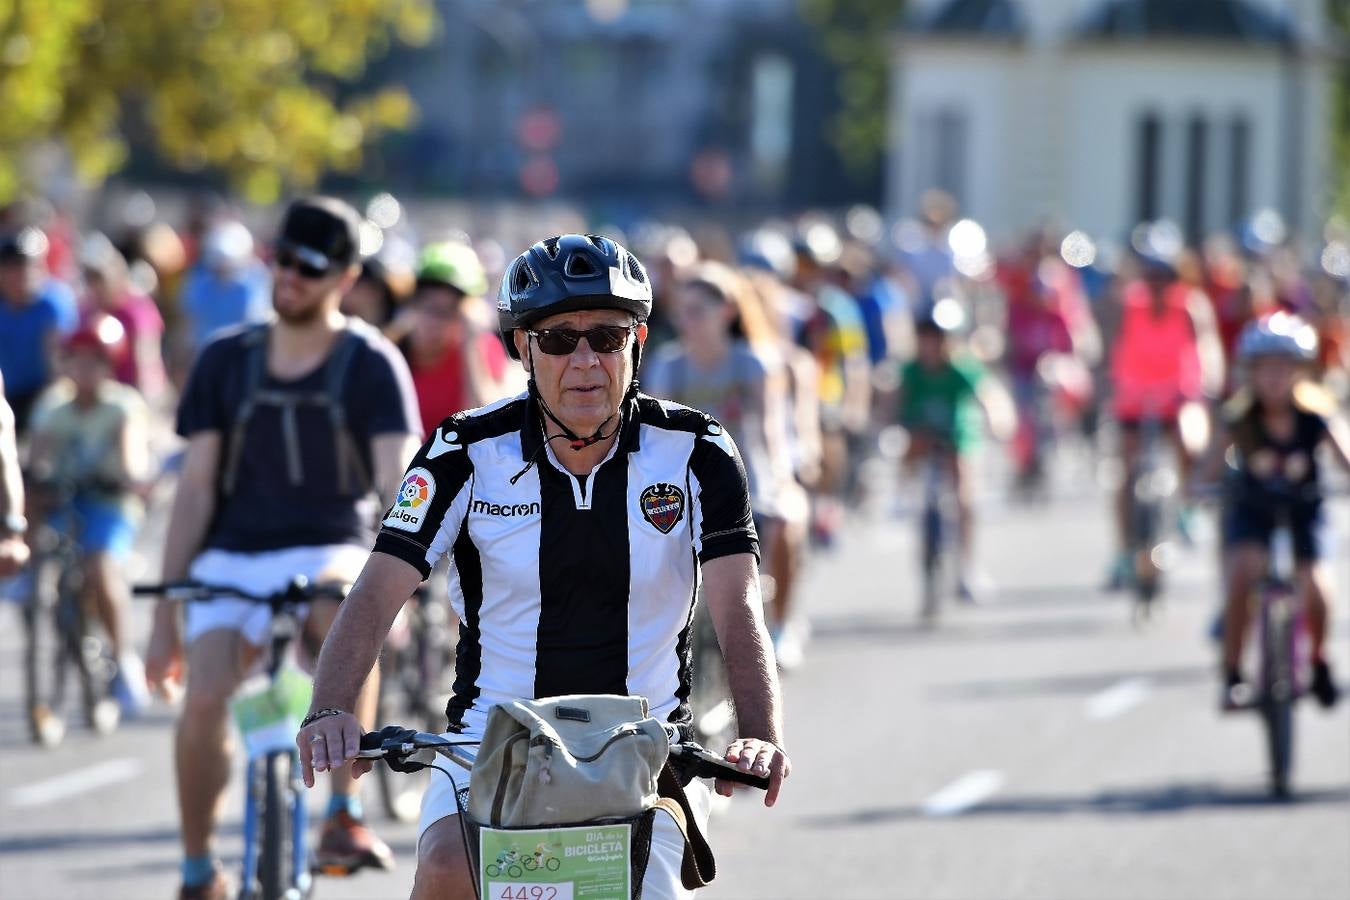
<point x="452" y="264"/>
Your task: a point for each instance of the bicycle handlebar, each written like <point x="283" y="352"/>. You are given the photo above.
<point x="394" y="745"/>
<point x="300" y="590"/>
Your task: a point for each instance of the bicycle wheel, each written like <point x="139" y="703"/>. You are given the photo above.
<point x="931" y="559"/>
<point x="46" y="659"/>
<point x="275" y="851"/>
<point x="1277" y="689"/>
<point x="1145" y="515"/>
<point x="90" y="655"/>
<point x="710" y="692"/>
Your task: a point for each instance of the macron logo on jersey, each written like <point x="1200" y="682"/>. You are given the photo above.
<point x="443" y="443"/>
<point x="506" y="509"/>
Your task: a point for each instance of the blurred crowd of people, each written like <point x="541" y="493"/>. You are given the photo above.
<point x="805" y="337"/>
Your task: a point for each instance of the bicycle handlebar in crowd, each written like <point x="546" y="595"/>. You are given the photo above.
<point x="395" y="744"/>
<point x="300" y="590"/>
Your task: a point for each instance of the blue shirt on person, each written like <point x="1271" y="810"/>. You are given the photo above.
<point x="23" y="336"/>
<point x="213" y="300"/>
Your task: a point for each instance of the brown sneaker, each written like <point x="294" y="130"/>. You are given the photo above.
<point x="218" y="888"/>
<point x="347" y="845"/>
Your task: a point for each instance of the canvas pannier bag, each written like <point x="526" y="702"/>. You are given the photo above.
<point x="566" y="760"/>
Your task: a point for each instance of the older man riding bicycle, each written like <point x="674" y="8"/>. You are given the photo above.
<point x="580" y="518"/>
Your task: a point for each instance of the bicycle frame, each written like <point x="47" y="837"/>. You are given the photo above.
<point x="285" y="628"/>
<point x="1150" y="485"/>
<point x="272" y="740"/>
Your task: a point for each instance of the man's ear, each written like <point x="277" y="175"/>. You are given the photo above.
<point x="522" y="342"/>
<point x="642" y="333"/>
<point x="349" y="276"/>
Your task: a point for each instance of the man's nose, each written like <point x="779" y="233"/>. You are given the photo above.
<point x="583" y="355"/>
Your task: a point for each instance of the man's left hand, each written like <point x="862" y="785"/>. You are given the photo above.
<point x="761" y="758"/>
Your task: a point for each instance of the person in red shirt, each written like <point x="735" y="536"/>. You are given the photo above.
<point x="110" y="292"/>
<point x="456" y="358"/>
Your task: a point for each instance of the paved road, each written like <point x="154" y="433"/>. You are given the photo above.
<point x="1037" y="746"/>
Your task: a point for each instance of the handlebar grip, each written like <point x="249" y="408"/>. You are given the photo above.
<point x="728" y="772"/>
<point x="147" y="590"/>
<point x="704" y="764"/>
<point x="372" y="740"/>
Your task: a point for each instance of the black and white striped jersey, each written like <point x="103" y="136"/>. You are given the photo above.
<point x="569" y="584"/>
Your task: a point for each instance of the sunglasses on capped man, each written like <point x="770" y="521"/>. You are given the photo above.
<point x="308" y="263"/>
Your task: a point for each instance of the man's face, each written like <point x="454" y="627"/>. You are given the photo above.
<point x="931" y="347"/>
<point x="298" y="297"/>
<point x="87" y="369"/>
<point x="583" y="388"/>
<point x="19" y="279"/>
<point x="699" y="317"/>
<point x="1273" y="379"/>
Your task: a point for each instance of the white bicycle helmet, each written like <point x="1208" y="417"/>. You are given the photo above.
<point x="1278" y="334"/>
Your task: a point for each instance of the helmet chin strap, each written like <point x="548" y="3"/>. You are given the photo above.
<point x="573" y="439"/>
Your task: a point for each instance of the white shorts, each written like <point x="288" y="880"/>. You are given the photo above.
<point x="662" y="881"/>
<point x="262" y="573"/>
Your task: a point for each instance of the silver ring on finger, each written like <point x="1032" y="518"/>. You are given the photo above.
<point x="315" y="738"/>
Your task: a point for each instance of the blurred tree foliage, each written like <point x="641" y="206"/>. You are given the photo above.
<point x="856" y="36"/>
<point x="1338" y="11"/>
<point x="246" y="87"/>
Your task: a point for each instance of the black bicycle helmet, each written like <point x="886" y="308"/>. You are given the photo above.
<point x="566" y="273"/>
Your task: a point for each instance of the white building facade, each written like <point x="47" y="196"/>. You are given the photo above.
<point x="1104" y="113"/>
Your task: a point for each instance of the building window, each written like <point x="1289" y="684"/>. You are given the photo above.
<point x="771" y="87"/>
<point x="1148" y="171"/>
<point x="941" y="152"/>
<point x="951" y="148"/>
<point x="1197" y="140"/>
<point x="1239" y="165"/>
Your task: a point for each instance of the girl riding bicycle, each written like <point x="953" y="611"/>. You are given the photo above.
<point x="1272" y="429"/>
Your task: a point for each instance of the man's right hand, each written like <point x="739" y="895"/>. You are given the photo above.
<point x="329" y="743"/>
<point x="13" y="555"/>
<point x="164" y="662"/>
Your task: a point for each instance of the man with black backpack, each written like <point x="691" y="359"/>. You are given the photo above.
<point x="292" y="426"/>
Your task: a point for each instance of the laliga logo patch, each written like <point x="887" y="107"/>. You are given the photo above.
<point x="662" y="505"/>
<point x="414" y="499"/>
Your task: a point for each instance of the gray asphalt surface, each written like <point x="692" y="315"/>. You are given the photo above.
<point x="1036" y="746"/>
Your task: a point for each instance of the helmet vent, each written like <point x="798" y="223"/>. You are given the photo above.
<point x="600" y="243"/>
<point x="580" y="265"/>
<point x="635" y="270"/>
<point x="551" y="247"/>
<point x="522" y="278"/>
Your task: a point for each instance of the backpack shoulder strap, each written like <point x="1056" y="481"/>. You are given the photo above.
<point x="699" y="867"/>
<point x="338" y="367"/>
<point x="336" y="372"/>
<point x="254" y="365"/>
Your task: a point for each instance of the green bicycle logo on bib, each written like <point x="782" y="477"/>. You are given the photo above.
<point x="589" y="862"/>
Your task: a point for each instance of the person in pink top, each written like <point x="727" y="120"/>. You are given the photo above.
<point x="1166" y="358"/>
<point x="110" y="292"/>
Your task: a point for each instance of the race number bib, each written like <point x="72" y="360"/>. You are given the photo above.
<point x="269" y="717"/>
<point x="582" y="863"/>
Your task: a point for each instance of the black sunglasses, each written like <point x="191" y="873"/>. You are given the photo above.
<point x="307" y="264"/>
<point x="601" y="339"/>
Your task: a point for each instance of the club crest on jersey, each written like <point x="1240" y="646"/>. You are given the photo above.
<point x="662" y="505"/>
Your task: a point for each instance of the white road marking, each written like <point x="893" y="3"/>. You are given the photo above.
<point x="1117" y="699"/>
<point x="968" y="791"/>
<point x="72" y="784"/>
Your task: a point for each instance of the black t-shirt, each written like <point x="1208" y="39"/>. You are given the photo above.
<point x="266" y="511"/>
<point x="1265" y="460"/>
